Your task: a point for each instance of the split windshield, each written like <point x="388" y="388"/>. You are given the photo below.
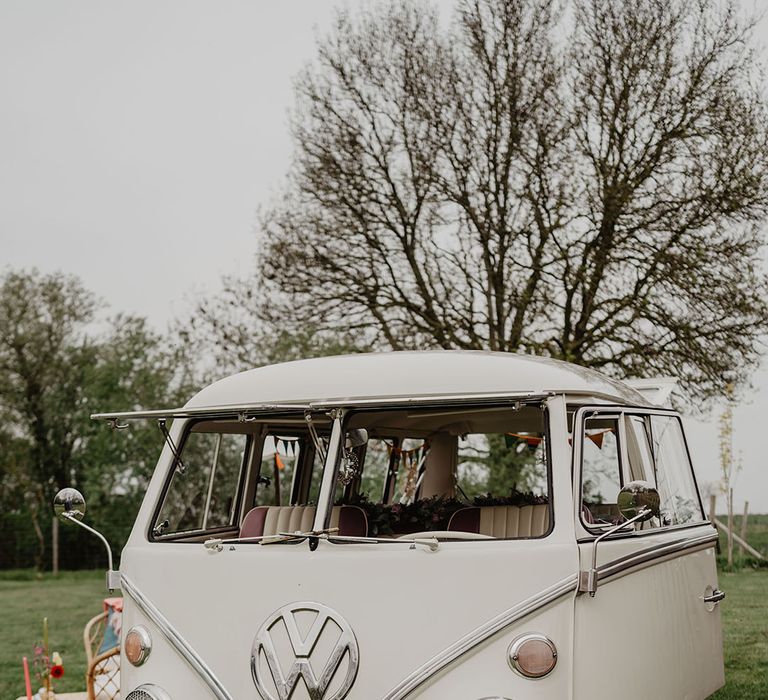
<point x="456" y="473"/>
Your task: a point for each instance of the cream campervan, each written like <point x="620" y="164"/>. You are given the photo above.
<point x="432" y="525"/>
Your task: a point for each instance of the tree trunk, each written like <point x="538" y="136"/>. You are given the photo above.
<point x="40" y="557"/>
<point x="55" y="545"/>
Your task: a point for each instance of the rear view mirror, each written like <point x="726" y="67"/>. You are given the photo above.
<point x="357" y="437"/>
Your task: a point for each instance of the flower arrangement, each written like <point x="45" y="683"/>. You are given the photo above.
<point x="46" y="666"/>
<point x="515" y="498"/>
<point x="429" y="513"/>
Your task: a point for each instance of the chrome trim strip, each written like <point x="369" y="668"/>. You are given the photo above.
<point x="363" y="402"/>
<point x="176" y="640"/>
<point x="483" y="397"/>
<point x="654" y="555"/>
<point x="644" y="534"/>
<point x="480" y="634"/>
<point x="428" y="399"/>
<point x="212" y="411"/>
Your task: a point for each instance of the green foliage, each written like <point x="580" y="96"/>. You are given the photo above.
<point x="55" y="370"/>
<point x="500" y="465"/>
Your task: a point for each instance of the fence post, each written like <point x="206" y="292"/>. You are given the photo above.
<point x="730" y="528"/>
<point x="744" y="527"/>
<point x="712" y="501"/>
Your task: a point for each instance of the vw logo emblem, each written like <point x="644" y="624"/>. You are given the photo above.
<point x="306" y="641"/>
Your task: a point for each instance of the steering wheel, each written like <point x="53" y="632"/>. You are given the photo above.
<point x="445" y="535"/>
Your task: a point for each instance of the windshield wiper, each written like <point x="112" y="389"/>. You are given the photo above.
<point x="216" y="545"/>
<point x="329" y="534"/>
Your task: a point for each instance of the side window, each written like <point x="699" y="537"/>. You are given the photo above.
<point x="376" y="464"/>
<point x="601" y="476"/>
<point x="290" y="472"/>
<point x="639" y="453"/>
<point x="674" y="476"/>
<point x="493" y="466"/>
<point x="280" y="456"/>
<point x="203" y="489"/>
<point x="630" y="447"/>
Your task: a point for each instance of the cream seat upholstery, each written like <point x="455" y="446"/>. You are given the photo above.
<point x="271" y="520"/>
<point x="504" y="522"/>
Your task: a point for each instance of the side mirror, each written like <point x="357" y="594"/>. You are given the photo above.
<point x="638" y="501"/>
<point x="69" y="503"/>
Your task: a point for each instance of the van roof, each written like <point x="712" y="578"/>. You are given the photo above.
<point x="386" y="375"/>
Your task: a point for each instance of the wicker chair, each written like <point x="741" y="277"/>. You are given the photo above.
<point x="102" y="676"/>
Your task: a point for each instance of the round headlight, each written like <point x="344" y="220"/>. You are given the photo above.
<point x="137" y="645"/>
<point x="532" y="655"/>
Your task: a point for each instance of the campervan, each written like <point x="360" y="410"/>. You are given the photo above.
<point x="431" y="525"/>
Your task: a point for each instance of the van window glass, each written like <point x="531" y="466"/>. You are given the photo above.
<point x="203" y="492"/>
<point x="475" y="471"/>
<point x="377" y="458"/>
<point x="601" y="477"/>
<point x="496" y="464"/>
<point x="639" y="448"/>
<point x="674" y="477"/>
<point x="290" y="471"/>
<point x="279" y="457"/>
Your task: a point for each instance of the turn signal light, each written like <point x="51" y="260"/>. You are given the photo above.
<point x="532" y="655"/>
<point x="137" y="645"/>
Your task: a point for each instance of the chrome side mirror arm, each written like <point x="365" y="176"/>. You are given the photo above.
<point x="69" y="505"/>
<point x="112" y="576"/>
<point x="588" y="579"/>
<point x="638" y="501"/>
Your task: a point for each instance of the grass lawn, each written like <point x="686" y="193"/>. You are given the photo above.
<point x="745" y="635"/>
<point x="68" y="602"/>
<point x="72" y="599"/>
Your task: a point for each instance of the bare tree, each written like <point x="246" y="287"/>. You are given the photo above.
<point x="596" y="198"/>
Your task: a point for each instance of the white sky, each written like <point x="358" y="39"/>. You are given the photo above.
<point x="137" y="140"/>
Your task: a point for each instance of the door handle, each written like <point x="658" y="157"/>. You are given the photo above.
<point x="715" y="597"/>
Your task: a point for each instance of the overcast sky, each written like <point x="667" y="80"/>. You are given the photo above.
<point x="138" y="139"/>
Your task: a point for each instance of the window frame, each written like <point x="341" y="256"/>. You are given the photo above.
<point x="334" y="460"/>
<point x="185" y="535"/>
<point x="621" y="455"/>
<point x="586" y="531"/>
<point x="303" y="474"/>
